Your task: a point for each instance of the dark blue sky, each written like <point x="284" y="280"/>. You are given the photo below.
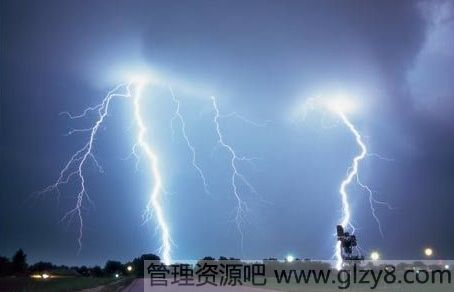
<point x="261" y="59"/>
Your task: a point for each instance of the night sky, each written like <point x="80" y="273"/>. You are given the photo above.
<point x="261" y="59"/>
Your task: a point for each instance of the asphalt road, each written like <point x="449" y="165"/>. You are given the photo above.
<point x="138" y="286"/>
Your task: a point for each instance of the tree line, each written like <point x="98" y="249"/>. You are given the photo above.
<point x="17" y="266"/>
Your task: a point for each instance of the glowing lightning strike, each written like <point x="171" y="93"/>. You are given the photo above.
<point x="353" y="171"/>
<point x="339" y="105"/>
<point x="76" y="165"/>
<point x="179" y="116"/>
<point x="241" y="205"/>
<point x="351" y="174"/>
<point x="154" y="203"/>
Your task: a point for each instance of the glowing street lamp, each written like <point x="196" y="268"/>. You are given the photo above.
<point x="375" y="256"/>
<point x="290" y="258"/>
<point x="129" y="268"/>
<point x="428" y="252"/>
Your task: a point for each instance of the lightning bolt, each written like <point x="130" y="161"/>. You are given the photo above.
<point x="179" y="116"/>
<point x="339" y="105"/>
<point x="75" y="167"/>
<point x="352" y="174"/>
<point x="242" y="207"/>
<point x="154" y="203"/>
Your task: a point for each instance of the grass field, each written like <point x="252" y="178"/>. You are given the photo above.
<point x="59" y="284"/>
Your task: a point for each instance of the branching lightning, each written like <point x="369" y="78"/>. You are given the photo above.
<point x="75" y="167"/>
<point x="340" y="105"/>
<point x="179" y="116"/>
<point x="353" y="173"/>
<point x="242" y="207"/>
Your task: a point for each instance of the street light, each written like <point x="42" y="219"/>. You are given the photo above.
<point x="428" y="252"/>
<point x="290" y="258"/>
<point x="375" y="256"/>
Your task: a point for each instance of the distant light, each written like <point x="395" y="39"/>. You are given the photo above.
<point x="36" y="276"/>
<point x="45" y="276"/>
<point x="129" y="268"/>
<point x="375" y="256"/>
<point x="290" y="258"/>
<point x="428" y="252"/>
<point x="116" y="275"/>
<point x="447" y="267"/>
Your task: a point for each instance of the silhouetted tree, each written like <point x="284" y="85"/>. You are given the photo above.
<point x="138" y="264"/>
<point x="19" y="262"/>
<point x="74" y="268"/>
<point x="5" y="266"/>
<point x="41" y="266"/>
<point x="96" y="271"/>
<point x="208" y="260"/>
<point x="83" y="271"/>
<point x="113" y="267"/>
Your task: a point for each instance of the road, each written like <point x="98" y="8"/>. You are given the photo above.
<point x="138" y="286"/>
